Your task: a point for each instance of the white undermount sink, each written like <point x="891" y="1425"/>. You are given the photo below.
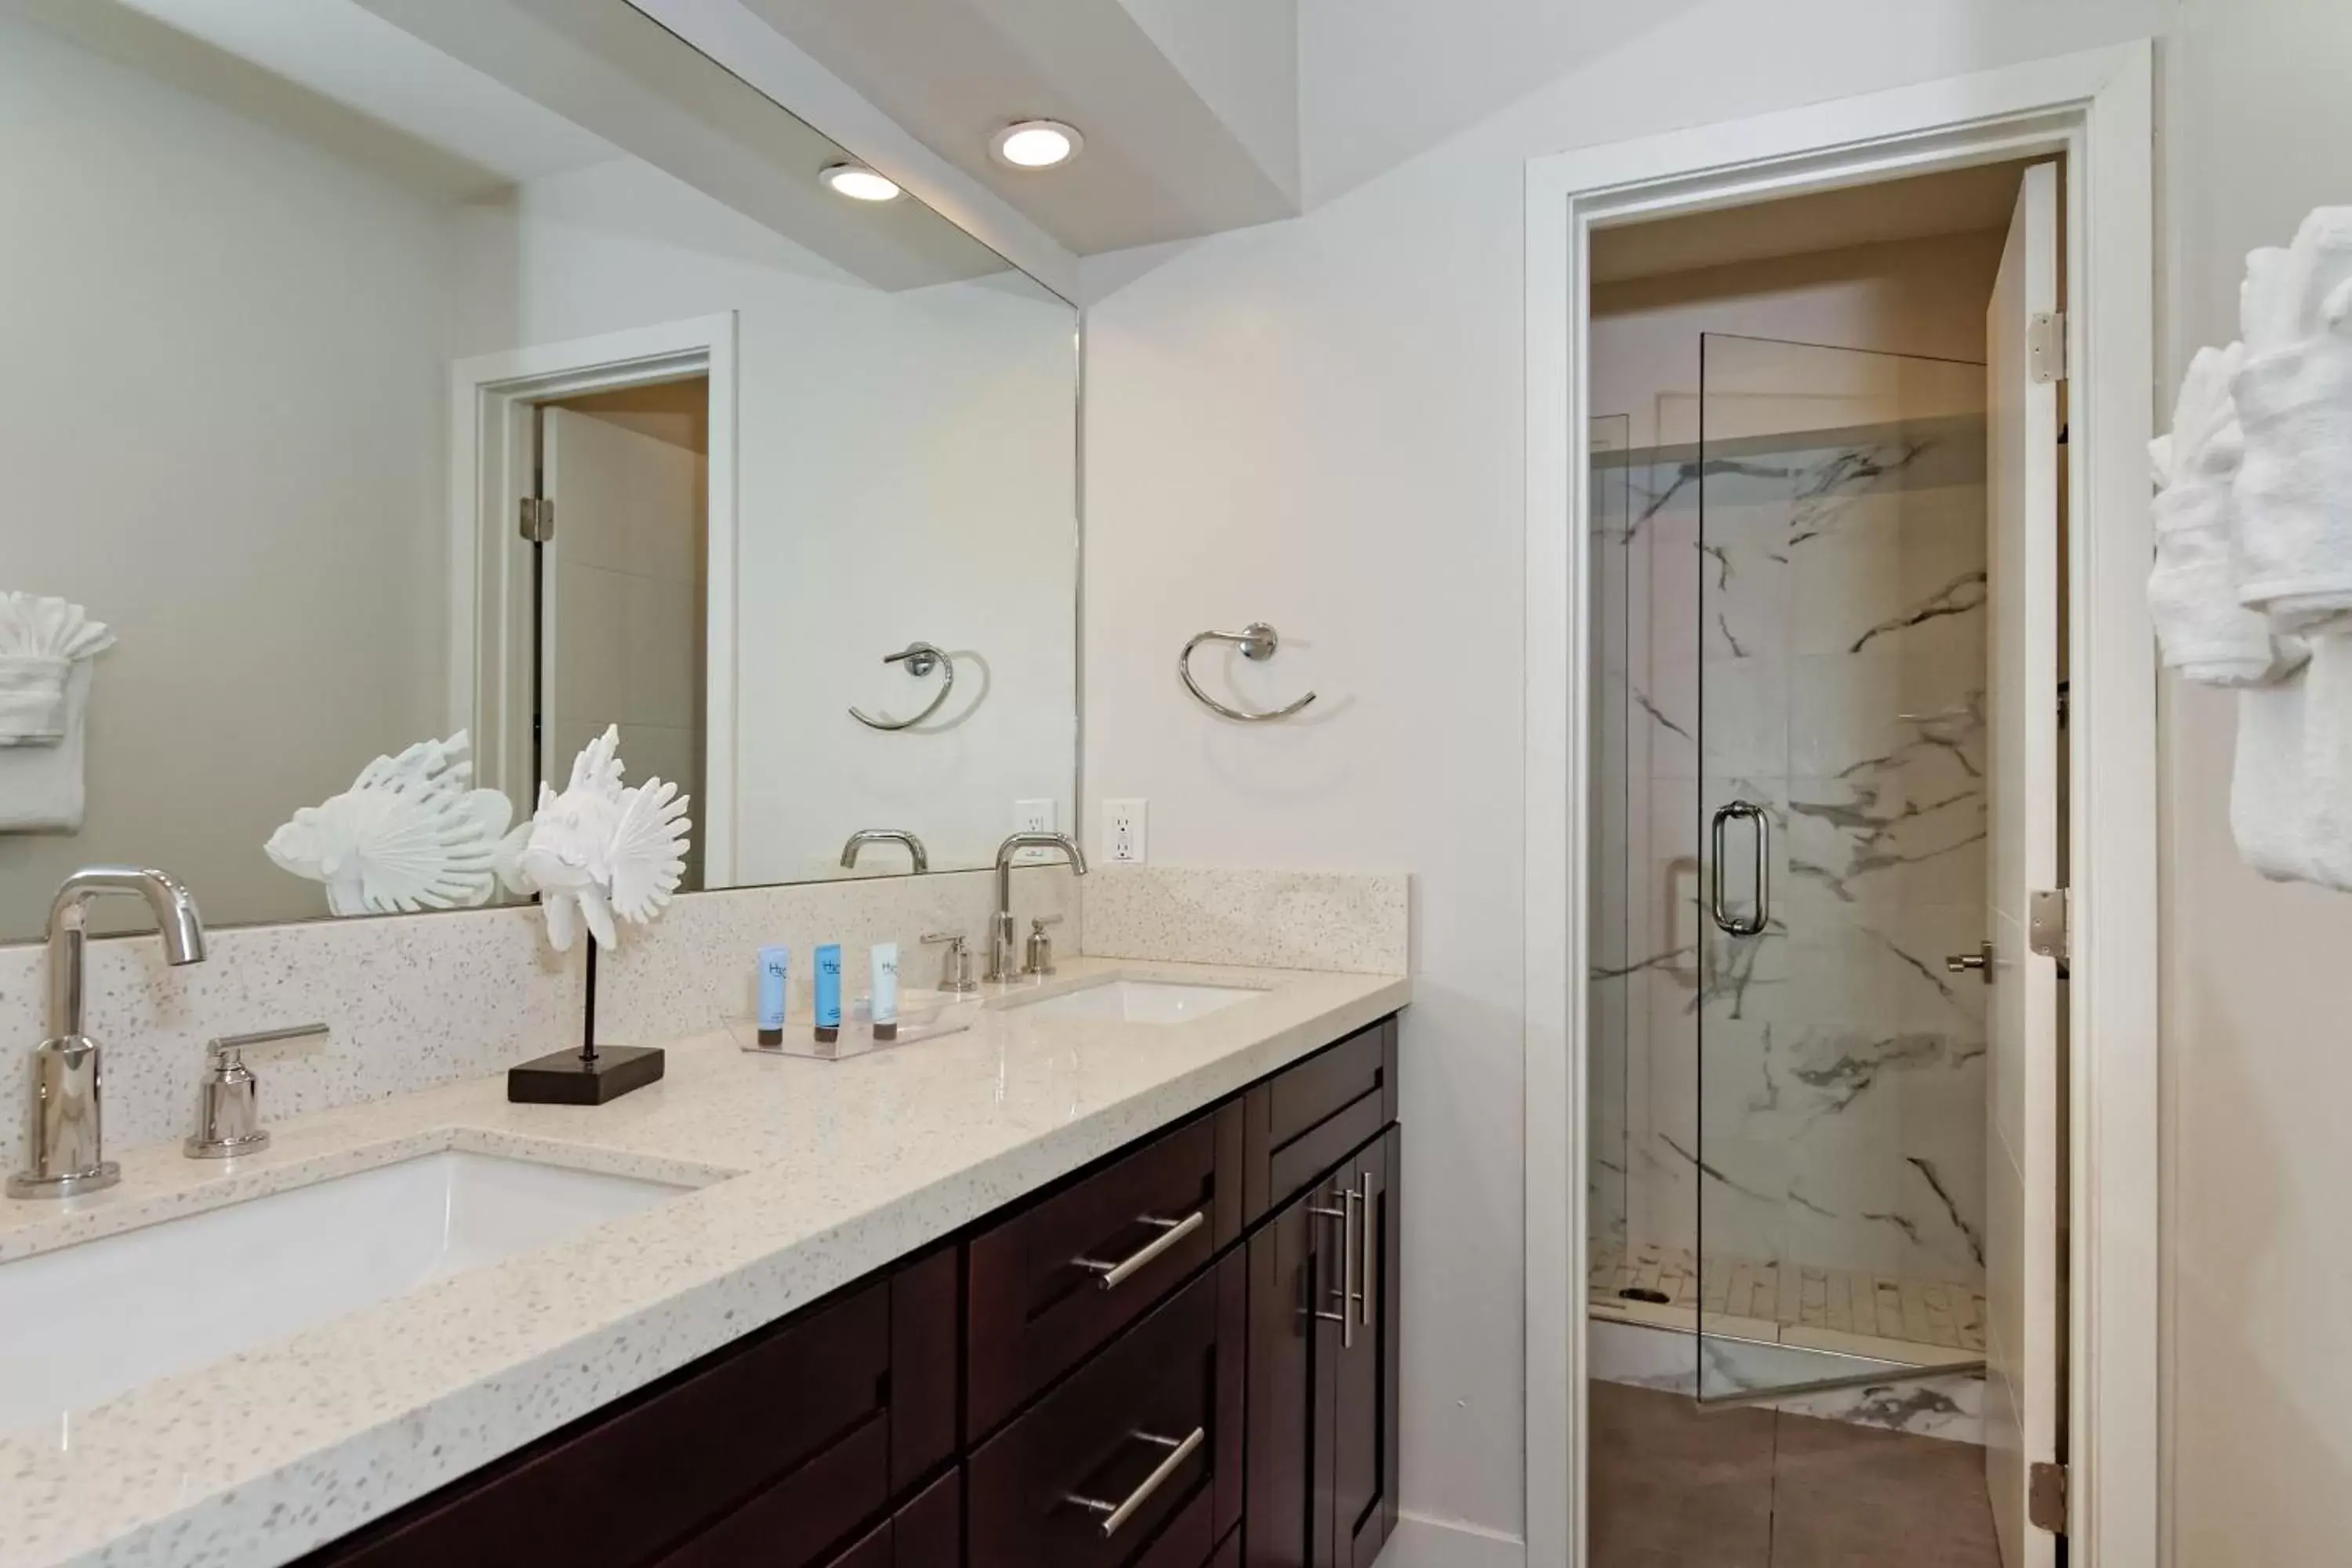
<point x="84" y="1324"/>
<point x="1141" y="1001"/>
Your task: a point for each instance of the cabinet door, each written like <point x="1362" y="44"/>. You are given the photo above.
<point x="1365" y="1420"/>
<point x="1292" y="1392"/>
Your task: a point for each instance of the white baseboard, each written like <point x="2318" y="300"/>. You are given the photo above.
<point x="1423" y="1542"/>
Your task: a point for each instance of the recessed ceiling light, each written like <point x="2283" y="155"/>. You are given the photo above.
<point x="858" y="183"/>
<point x="1036" y="143"/>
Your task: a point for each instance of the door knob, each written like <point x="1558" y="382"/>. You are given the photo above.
<point x="1980" y="961"/>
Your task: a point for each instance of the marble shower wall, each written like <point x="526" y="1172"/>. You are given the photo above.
<point x="1817" y="650"/>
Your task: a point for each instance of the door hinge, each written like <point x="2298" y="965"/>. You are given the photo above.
<point x="2045" y="346"/>
<point x="538" y="519"/>
<point x="2045" y="1497"/>
<point x="2049" y="923"/>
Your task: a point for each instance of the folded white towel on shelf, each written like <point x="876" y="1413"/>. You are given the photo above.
<point x="2324" y="853"/>
<point x="2269" y="795"/>
<point x="41" y="787"/>
<point x="2192" y="590"/>
<point x="2293" y="397"/>
<point x="46" y="646"/>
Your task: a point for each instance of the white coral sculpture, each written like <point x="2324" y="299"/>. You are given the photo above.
<point x="601" y="850"/>
<point x="412" y="832"/>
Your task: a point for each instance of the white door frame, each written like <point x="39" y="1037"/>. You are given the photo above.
<point x="491" y="458"/>
<point x="2096" y="109"/>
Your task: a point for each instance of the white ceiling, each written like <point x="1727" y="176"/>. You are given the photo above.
<point x="1961" y="201"/>
<point x="337" y="50"/>
<point x="1188" y="106"/>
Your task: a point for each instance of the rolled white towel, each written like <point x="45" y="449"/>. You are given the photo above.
<point x="2192" y="590"/>
<point x="2293" y="396"/>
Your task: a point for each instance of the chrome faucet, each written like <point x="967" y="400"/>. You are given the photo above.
<point x="864" y="836"/>
<point x="68" y="1154"/>
<point x="1004" y="951"/>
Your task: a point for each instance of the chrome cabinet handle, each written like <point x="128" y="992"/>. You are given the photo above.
<point x="1720" y="908"/>
<point x="1117" y="1513"/>
<point x="1363" y="1296"/>
<point x="1349" y="1291"/>
<point x="1258" y="641"/>
<point x="1172" y="1231"/>
<point x="920" y="659"/>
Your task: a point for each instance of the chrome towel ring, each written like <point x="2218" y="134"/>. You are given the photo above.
<point x="1258" y="641"/>
<point x="920" y="659"/>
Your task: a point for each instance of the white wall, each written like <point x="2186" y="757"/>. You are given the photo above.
<point x="906" y="469"/>
<point x="2258" y="130"/>
<point x="1318" y="423"/>
<point x="221" y="430"/>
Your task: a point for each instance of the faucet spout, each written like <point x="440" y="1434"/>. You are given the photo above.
<point x="67" y="1145"/>
<point x="177" y="920"/>
<point x="864" y="836"/>
<point x="1004" y="961"/>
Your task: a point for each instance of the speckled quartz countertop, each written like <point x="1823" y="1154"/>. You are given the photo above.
<point x="809" y="1174"/>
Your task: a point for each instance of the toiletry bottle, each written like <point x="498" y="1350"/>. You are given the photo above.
<point x="828" y="992"/>
<point x="885" y="990"/>
<point x="775" y="966"/>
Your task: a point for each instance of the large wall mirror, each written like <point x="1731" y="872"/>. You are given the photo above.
<point x="383" y="372"/>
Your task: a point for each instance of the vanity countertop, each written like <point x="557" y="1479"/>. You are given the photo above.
<point x="811" y="1174"/>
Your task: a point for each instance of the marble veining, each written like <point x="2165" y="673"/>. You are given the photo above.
<point x="811" y="1174"/>
<point x="1806" y="626"/>
<point x="1353" y="923"/>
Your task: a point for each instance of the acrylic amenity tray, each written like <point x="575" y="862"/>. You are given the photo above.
<point x="922" y="1016"/>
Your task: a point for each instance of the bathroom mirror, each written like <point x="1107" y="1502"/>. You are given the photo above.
<point x="385" y="370"/>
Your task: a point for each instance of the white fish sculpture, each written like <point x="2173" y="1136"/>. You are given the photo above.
<point x="602" y="849"/>
<point x="410" y="834"/>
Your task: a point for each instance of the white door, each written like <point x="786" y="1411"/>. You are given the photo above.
<point x="2022" y="1256"/>
<point x="621" y="601"/>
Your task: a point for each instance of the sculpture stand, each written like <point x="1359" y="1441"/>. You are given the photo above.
<point x="593" y="1074"/>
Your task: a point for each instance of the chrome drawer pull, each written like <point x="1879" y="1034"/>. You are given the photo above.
<point x="1172" y="1231"/>
<point x="1117" y="1513"/>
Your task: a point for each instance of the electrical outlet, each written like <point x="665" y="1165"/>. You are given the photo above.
<point x="1123" y="831"/>
<point x="1033" y="816"/>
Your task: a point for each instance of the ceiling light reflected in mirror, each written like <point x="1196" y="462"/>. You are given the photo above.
<point x="858" y="183"/>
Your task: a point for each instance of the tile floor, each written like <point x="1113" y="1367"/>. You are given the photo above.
<point x="1674" y="1486"/>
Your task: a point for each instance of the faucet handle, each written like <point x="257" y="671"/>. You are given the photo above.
<point x="229" y="1105"/>
<point x="1038" y="960"/>
<point x="955" y="968"/>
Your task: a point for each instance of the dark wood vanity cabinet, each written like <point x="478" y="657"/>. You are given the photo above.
<point x="1183" y="1356"/>
<point x="1323" y="1369"/>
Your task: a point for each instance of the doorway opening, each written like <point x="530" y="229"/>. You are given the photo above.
<point x="594" y="563"/>
<point x="620" y="544"/>
<point x="1804" y="742"/>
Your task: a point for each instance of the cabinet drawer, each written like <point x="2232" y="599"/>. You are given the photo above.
<point x="926" y="1533"/>
<point x="806" y="1396"/>
<point x="1309" y="1116"/>
<point x="1064" y="1275"/>
<point x="1042" y="1492"/>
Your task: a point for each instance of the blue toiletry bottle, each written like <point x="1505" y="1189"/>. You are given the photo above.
<point x="775" y="968"/>
<point x="828" y="992"/>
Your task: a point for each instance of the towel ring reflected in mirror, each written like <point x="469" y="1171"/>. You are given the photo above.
<point x="1258" y="641"/>
<point x="920" y="659"/>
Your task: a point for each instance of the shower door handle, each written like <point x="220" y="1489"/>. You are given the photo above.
<point x="1754" y="924"/>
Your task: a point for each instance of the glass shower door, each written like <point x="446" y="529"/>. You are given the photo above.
<point x="1839" y="638"/>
